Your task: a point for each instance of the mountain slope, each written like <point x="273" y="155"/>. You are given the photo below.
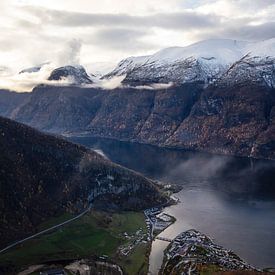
<point x="42" y="176"/>
<point x="60" y="109"/>
<point x="204" y="62"/>
<point x="10" y="100"/>
<point x="221" y="100"/>
<point x="235" y="120"/>
<point x="75" y="74"/>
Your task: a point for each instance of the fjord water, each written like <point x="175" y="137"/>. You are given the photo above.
<point x="230" y="199"/>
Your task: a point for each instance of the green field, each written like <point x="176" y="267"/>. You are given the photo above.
<point x="96" y="233"/>
<point x="136" y="262"/>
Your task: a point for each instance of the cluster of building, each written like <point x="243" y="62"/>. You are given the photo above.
<point x="156" y="221"/>
<point x="133" y="240"/>
<point x="192" y="248"/>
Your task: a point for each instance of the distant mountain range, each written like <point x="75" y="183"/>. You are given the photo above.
<point x="219" y="97"/>
<point x="44" y="176"/>
<point x="205" y="62"/>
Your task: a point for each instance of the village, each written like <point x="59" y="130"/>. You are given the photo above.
<point x="156" y="222"/>
<point x="192" y="249"/>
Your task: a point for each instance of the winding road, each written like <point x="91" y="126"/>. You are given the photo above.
<point x="45" y="231"/>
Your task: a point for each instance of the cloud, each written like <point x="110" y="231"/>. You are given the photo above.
<point x="155" y="86"/>
<point x="246" y="32"/>
<point x="199" y="167"/>
<point x="112" y="83"/>
<point x="234" y="8"/>
<point x="25" y="82"/>
<point x="90" y="31"/>
<point x="120" y="38"/>
<point x="70" y="55"/>
<point x="184" y="19"/>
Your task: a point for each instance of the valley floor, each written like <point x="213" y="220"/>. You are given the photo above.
<point x="95" y="236"/>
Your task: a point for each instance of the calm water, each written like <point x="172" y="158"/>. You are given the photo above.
<point x="230" y="199"/>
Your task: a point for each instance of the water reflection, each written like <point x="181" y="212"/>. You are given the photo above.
<point x="230" y="199"/>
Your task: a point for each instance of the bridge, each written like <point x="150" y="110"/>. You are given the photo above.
<point x="164" y="239"/>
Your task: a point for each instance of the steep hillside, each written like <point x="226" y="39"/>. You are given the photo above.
<point x="121" y="113"/>
<point x="220" y="99"/>
<point x="10" y="100"/>
<point x="60" y="109"/>
<point x="235" y="119"/>
<point x="42" y="176"/>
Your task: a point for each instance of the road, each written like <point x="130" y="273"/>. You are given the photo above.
<point x="45" y="231"/>
<point x="152" y="225"/>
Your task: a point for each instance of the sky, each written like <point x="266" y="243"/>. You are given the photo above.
<point x="99" y="33"/>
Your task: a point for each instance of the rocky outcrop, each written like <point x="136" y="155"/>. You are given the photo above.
<point x="43" y="176"/>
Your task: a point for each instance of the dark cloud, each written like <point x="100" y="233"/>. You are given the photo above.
<point x="258" y="32"/>
<point x="119" y="38"/>
<point x="179" y="20"/>
<point x="253" y="4"/>
<point x="34" y="33"/>
<point x="241" y="32"/>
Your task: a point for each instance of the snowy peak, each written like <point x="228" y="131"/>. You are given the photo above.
<point x="223" y="51"/>
<point x="253" y="69"/>
<point x="205" y="61"/>
<point x="263" y="48"/>
<point x="75" y="74"/>
<point x="34" y="69"/>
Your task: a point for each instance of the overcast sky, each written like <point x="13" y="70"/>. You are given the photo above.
<point x="88" y="31"/>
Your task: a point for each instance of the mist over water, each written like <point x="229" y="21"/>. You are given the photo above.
<point x="230" y="199"/>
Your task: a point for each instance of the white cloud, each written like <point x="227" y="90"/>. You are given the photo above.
<point x="112" y="83"/>
<point x="71" y="54"/>
<point x="155" y="86"/>
<point x="91" y="31"/>
<point x="25" y="82"/>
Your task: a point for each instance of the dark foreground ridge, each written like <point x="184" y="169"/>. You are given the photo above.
<point x="44" y="176"/>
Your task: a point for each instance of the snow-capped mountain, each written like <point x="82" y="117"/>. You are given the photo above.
<point x="34" y="69"/>
<point x="75" y="74"/>
<point x="205" y="61"/>
<point x="255" y="69"/>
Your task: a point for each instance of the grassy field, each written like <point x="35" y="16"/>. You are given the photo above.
<point x="136" y="262"/>
<point x="96" y="233"/>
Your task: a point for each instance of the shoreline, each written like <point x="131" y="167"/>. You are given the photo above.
<point x="153" y="234"/>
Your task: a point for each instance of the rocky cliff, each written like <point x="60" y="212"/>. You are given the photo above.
<point x="234" y="119"/>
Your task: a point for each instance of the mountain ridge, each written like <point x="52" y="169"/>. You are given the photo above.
<point x="203" y="61"/>
<point x="232" y="113"/>
<point x="44" y="176"/>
